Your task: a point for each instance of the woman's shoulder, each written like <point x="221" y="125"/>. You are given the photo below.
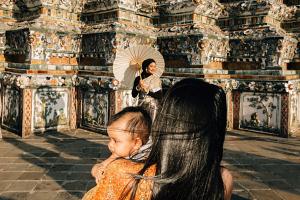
<point x="226" y="175"/>
<point x="228" y="182"/>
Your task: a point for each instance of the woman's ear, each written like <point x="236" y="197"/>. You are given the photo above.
<point x="137" y="143"/>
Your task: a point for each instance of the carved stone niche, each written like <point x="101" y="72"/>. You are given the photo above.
<point x="99" y="11"/>
<point x="173" y="7"/>
<point x="291" y="2"/>
<point x="212" y="9"/>
<point x="70" y="5"/>
<point x="288" y="49"/>
<point x="213" y="51"/>
<point x="265" y="53"/>
<point x="282" y="12"/>
<point x="97" y="49"/>
<point x="180" y="51"/>
<point x="24" y="10"/>
<point x="295" y="63"/>
<point x="17" y="46"/>
<point x="145" y="6"/>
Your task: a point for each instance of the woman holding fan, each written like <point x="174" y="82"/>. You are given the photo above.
<point x="148" y="87"/>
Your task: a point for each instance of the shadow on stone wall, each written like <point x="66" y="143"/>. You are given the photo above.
<point x="50" y="109"/>
<point x="11" y="111"/>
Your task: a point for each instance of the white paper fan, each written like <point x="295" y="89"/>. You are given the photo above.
<point x="129" y="61"/>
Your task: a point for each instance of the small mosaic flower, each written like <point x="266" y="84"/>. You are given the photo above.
<point x="114" y="84"/>
<point x="227" y="85"/>
<point x="234" y="84"/>
<point x="269" y="87"/>
<point x="289" y="86"/>
<point x="251" y="85"/>
<point x="61" y="81"/>
<point x="53" y="81"/>
<point x="75" y="80"/>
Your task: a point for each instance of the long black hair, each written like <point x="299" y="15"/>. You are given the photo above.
<point x="188" y="136"/>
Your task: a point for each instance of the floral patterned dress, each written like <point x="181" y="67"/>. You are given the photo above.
<point x="117" y="177"/>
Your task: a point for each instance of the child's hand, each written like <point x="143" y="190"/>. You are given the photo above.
<point x="98" y="171"/>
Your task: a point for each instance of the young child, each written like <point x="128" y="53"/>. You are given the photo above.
<point x="129" y="132"/>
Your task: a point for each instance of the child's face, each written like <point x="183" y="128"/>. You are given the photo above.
<point x="122" y="143"/>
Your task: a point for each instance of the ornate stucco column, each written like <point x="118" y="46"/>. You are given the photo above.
<point x="73" y="107"/>
<point x="236" y="108"/>
<point x="27" y="113"/>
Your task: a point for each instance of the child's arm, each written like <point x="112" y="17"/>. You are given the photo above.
<point x="98" y="169"/>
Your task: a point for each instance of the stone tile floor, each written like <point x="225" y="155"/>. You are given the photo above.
<point x="56" y="165"/>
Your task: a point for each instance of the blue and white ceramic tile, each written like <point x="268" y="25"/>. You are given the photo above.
<point x="260" y="112"/>
<point x="95" y="109"/>
<point x="50" y="108"/>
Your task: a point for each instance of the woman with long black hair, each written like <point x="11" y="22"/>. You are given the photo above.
<point x="185" y="161"/>
<point x="148" y="87"/>
<point x="188" y="136"/>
